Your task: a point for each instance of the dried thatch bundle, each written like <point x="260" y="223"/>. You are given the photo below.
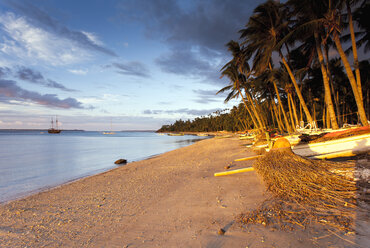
<point x="304" y="190"/>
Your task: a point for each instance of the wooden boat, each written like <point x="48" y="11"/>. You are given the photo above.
<point x="247" y="137"/>
<point x="349" y="145"/>
<point x="52" y="129"/>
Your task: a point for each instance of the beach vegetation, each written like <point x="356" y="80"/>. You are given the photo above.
<point x="296" y="64"/>
<point x="305" y="41"/>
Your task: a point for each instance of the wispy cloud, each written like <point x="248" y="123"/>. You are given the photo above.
<point x="207" y="96"/>
<point x="78" y="71"/>
<point x="32" y="76"/>
<point x="194" y="112"/>
<point x="9" y="91"/>
<point x="132" y="68"/>
<point x="25" y="41"/>
<point x="42" y="20"/>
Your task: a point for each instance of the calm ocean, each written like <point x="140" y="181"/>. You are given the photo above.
<point x="31" y="161"/>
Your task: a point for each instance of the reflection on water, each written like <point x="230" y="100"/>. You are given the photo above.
<point x="31" y="160"/>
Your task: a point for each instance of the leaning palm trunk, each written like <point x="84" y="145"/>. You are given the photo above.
<point x="352" y="80"/>
<point x="354" y="49"/>
<point x="331" y="83"/>
<point x="253" y="107"/>
<point x="277" y="116"/>
<point x="294" y="111"/>
<point x="299" y="94"/>
<point x="289" y="129"/>
<point x="280" y="103"/>
<point x="291" y="114"/>
<point x="328" y="99"/>
<point x="249" y="111"/>
<point x="261" y="111"/>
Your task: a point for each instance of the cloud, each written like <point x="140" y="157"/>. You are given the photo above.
<point x="78" y="71"/>
<point x="207" y="96"/>
<point x="132" y="68"/>
<point x="29" y="43"/>
<point x="183" y="62"/>
<point x="42" y="20"/>
<point x="190" y="63"/>
<point x="4" y="71"/>
<point x="209" y="23"/>
<point x="194" y="112"/>
<point x="27" y="74"/>
<point x="195" y="31"/>
<point x="10" y="91"/>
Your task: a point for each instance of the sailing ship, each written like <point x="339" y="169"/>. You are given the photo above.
<point x="52" y="129"/>
<point x="111" y="132"/>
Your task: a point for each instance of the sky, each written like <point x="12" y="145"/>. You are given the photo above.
<point x="136" y="64"/>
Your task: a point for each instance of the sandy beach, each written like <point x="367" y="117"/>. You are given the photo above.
<point x="172" y="200"/>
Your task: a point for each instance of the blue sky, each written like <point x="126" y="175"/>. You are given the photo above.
<point x="141" y="63"/>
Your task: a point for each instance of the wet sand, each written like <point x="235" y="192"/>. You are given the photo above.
<point x="172" y="200"/>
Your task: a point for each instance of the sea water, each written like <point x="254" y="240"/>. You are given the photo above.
<point x="31" y="161"/>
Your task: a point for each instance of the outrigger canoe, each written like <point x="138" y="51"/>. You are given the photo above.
<point x="350" y="146"/>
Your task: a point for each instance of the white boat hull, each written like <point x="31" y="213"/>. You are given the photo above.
<point x="355" y="144"/>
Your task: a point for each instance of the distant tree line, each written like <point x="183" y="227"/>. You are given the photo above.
<point x="233" y="120"/>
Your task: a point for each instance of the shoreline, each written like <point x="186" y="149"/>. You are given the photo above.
<point x="18" y="195"/>
<point x="171" y="200"/>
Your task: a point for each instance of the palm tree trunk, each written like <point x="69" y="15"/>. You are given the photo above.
<point x="278" y="110"/>
<point x="291" y="113"/>
<point x="314" y="112"/>
<point x="328" y="119"/>
<point x="352" y="80"/>
<point x="354" y="50"/>
<point x="328" y="99"/>
<point x="246" y="106"/>
<point x="298" y="91"/>
<point x="280" y="103"/>
<point x="336" y="100"/>
<point x="294" y="110"/>
<point x="254" y="110"/>
<point x="272" y="115"/>
<point x="258" y="110"/>
<point x="323" y="117"/>
<point x="289" y="129"/>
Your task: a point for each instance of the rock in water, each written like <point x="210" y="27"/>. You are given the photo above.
<point x="121" y="161"/>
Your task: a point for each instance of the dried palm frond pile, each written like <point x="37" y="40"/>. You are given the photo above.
<point x="304" y="191"/>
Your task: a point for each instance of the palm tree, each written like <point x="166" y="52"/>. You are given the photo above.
<point x="306" y="12"/>
<point x="361" y="16"/>
<point x="230" y="70"/>
<point x="354" y="46"/>
<point x="325" y="17"/>
<point x="262" y="34"/>
<point x="238" y="72"/>
<point x="333" y="21"/>
<point x="273" y="76"/>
